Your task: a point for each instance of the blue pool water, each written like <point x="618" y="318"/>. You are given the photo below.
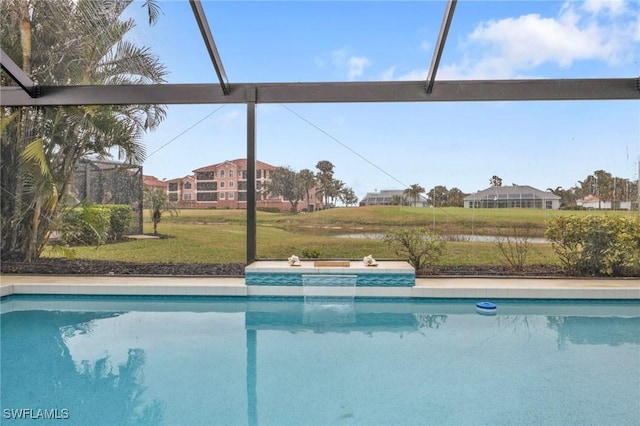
<point x="208" y="361"/>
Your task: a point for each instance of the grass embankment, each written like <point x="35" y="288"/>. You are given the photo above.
<point x="219" y="236"/>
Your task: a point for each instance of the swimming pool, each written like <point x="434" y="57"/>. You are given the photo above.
<point x="239" y="361"/>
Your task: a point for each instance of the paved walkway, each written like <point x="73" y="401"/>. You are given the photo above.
<point x="437" y="287"/>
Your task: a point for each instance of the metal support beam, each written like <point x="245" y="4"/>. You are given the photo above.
<point x="207" y="37"/>
<point x="19" y="76"/>
<point x="251" y="183"/>
<point x="353" y="92"/>
<point x="442" y="39"/>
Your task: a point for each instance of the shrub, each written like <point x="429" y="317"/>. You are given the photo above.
<point x="86" y="225"/>
<point x="95" y="225"/>
<point x="420" y="246"/>
<point x="515" y="248"/>
<point x="120" y="220"/>
<point x="268" y="209"/>
<point x="310" y="253"/>
<point x="597" y="245"/>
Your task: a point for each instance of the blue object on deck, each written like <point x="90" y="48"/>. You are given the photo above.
<point x="486" y="308"/>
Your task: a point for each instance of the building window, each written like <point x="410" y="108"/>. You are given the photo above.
<point x="242" y="186"/>
<point x="187" y="185"/>
<point x="207" y="186"/>
<point x="186" y="197"/>
<point x="207" y="196"/>
<point x="173" y="186"/>
<point x="230" y="196"/>
<point x="242" y="174"/>
<point x="221" y="184"/>
<point x="206" y="175"/>
<point x="173" y="197"/>
<point x="242" y="196"/>
<point x="222" y="195"/>
<point x="230" y="183"/>
<point x="258" y="174"/>
<point x="230" y="173"/>
<point x="221" y="174"/>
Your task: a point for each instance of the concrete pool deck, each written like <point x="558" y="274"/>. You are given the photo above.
<point x="436" y="287"/>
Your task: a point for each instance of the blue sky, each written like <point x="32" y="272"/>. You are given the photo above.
<point x="386" y="146"/>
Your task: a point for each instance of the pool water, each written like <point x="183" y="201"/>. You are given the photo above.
<point x="204" y="361"/>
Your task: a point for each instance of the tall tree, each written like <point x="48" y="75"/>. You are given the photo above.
<point x="308" y="179"/>
<point x="324" y="179"/>
<point x="348" y="196"/>
<point x="455" y="198"/>
<point x="413" y="192"/>
<point x="604" y="185"/>
<point x="89" y="48"/>
<point x="438" y="195"/>
<point x="335" y="191"/>
<point x="287" y="183"/>
<point x="398" y="200"/>
<point x="495" y="180"/>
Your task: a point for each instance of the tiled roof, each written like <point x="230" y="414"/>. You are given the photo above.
<point x="240" y="163"/>
<point x="153" y="181"/>
<point x="588" y="199"/>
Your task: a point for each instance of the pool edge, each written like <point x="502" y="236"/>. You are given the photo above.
<point x="464" y="288"/>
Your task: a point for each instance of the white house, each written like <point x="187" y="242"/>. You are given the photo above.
<point x="515" y="196"/>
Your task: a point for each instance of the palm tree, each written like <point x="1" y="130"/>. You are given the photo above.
<point x="413" y="192"/>
<point x="308" y="180"/>
<point x="455" y="198"/>
<point x="75" y="53"/>
<point x="324" y="178"/>
<point x="495" y="180"/>
<point x="157" y="202"/>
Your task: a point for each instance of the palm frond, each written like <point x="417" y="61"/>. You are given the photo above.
<point x="153" y="9"/>
<point x="34" y="153"/>
<point x="5" y="121"/>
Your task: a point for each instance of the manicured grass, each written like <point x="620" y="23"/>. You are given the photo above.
<point x="219" y="236"/>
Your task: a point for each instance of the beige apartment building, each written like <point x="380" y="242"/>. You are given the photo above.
<point x="224" y="186"/>
<point x="182" y="191"/>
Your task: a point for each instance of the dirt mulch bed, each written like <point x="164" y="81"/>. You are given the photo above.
<point x="101" y="267"/>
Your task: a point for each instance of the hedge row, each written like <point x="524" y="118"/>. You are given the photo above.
<point x="597" y="245"/>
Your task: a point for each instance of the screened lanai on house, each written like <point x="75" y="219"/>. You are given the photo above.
<point x="514" y="196"/>
<point x="221" y="70"/>
<point x="389" y="197"/>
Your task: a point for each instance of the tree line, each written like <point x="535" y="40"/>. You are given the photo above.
<point x="295" y="186"/>
<point x="601" y="184"/>
<point x="438" y="196"/>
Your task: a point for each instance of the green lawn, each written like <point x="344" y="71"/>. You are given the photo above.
<point x="219" y="236"/>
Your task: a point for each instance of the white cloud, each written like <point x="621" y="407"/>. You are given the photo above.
<point x="600" y="30"/>
<point x="352" y="65"/>
<point x="414" y="75"/>
<point x="356" y="65"/>
<point x="612" y="7"/>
